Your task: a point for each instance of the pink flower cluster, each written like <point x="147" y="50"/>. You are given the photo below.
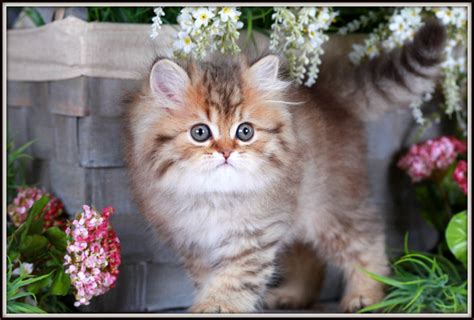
<point x="424" y="158"/>
<point x="460" y="175"/>
<point x="93" y="254"/>
<point x="18" y="209"/>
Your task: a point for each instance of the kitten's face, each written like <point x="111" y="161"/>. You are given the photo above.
<point x="219" y="131"/>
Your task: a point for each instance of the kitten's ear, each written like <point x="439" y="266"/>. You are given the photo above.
<point x="264" y="76"/>
<point x="169" y="81"/>
<point x="265" y="69"/>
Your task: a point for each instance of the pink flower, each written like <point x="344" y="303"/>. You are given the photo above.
<point x="424" y="158"/>
<point x="93" y="254"/>
<point x="26" y="197"/>
<point x="460" y="175"/>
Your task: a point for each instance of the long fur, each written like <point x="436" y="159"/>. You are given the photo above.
<point x="296" y="193"/>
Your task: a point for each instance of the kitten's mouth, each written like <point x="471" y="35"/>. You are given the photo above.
<point x="225" y="164"/>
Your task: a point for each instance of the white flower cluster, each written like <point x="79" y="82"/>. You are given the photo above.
<point x="370" y="47"/>
<point x="454" y="66"/>
<point x="356" y="24"/>
<point x="157" y="22"/>
<point x="416" y="107"/>
<point x="401" y="27"/>
<point x="451" y="91"/>
<point x="299" y="34"/>
<point x="455" y="16"/>
<point x="203" y="30"/>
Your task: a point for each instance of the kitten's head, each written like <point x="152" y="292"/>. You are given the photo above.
<point x="215" y="126"/>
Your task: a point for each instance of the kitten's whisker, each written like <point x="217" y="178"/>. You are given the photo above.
<point x="286" y="102"/>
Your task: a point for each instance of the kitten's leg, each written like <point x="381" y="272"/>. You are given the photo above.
<point x="303" y="275"/>
<point x="355" y="245"/>
<point x="361" y="290"/>
<point x="237" y="282"/>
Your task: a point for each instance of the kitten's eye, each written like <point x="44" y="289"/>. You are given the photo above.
<point x="200" y="132"/>
<point x="245" y="131"/>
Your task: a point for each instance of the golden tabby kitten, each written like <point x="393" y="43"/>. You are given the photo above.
<point x="240" y="171"/>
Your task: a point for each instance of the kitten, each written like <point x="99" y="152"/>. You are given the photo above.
<point x="237" y="170"/>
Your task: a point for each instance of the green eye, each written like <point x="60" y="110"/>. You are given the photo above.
<point x="245" y="132"/>
<point x="200" y="132"/>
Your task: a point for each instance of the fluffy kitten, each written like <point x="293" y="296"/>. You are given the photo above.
<point x="238" y="169"/>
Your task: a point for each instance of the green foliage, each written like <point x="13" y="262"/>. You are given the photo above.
<point x="17" y="291"/>
<point x="254" y="18"/>
<point x="120" y="14"/>
<point x="61" y="283"/>
<point x="456" y="236"/>
<point x="15" y="167"/>
<point x="32" y="246"/>
<point x="46" y="250"/>
<point x="35" y="16"/>
<point x="57" y="238"/>
<point x="422" y="282"/>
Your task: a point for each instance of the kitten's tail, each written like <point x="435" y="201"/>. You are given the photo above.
<point x="399" y="78"/>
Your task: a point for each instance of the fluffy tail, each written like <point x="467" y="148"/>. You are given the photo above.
<point x="397" y="79"/>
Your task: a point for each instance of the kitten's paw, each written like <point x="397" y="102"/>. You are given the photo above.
<point x="212" y="307"/>
<point x="286" y="298"/>
<point x="354" y="301"/>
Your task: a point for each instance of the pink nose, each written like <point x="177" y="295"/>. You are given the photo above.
<point x="226" y="153"/>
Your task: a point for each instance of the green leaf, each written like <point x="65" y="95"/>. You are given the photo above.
<point x="42" y="283"/>
<point x="61" y="283"/>
<point x="383" y="304"/>
<point x="383" y="279"/>
<point x="21" y="307"/>
<point x="13" y="255"/>
<point x="36" y="226"/>
<point x="19" y="282"/>
<point x="21" y="295"/>
<point x="35" y="16"/>
<point x="34" y="212"/>
<point x="456" y="236"/>
<point x="57" y="237"/>
<point x="37" y="223"/>
<point x="33" y="245"/>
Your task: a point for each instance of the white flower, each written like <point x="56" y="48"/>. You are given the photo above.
<point x="325" y="17"/>
<point x="355" y="25"/>
<point x="24" y="268"/>
<point x="411" y="15"/>
<point x="228" y="13"/>
<point x="460" y="17"/>
<point x="312" y="30"/>
<point x="451" y="91"/>
<point x="202" y="16"/>
<point x="397" y="24"/>
<point x="185" y="42"/>
<point x="357" y="53"/>
<point x="445" y="15"/>
<point x="203" y="30"/>
<point x="417" y="113"/>
<point x="156" y="25"/>
<point x="343" y="30"/>
<point x="299" y="34"/>
<point x="372" y="51"/>
<point x="185" y="20"/>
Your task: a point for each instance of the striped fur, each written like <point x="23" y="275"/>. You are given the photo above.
<point x="296" y="195"/>
<point x="396" y="79"/>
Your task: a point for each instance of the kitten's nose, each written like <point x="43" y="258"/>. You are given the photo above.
<point x="226" y="153"/>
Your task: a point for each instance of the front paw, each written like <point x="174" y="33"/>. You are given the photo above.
<point x="213" y="307"/>
<point x="355" y="301"/>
